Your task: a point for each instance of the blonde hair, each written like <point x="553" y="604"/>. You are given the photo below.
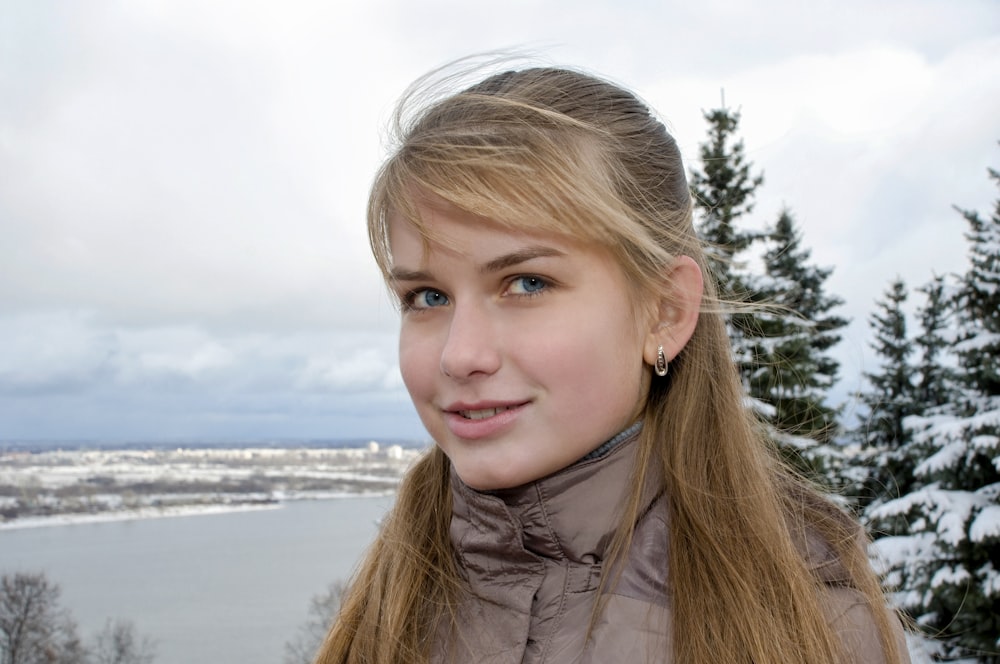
<point x="551" y="149"/>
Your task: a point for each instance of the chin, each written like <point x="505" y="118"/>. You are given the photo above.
<point x="489" y="481"/>
<point x="480" y="483"/>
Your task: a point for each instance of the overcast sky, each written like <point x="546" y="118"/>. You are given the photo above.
<point x="182" y="182"/>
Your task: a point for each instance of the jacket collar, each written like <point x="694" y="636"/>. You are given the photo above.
<point x="570" y="515"/>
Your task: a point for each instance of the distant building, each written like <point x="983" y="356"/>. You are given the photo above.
<point x="373" y="447"/>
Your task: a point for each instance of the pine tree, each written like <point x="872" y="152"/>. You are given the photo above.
<point x="947" y="566"/>
<point x="790" y="345"/>
<point x="890" y="399"/>
<point x="935" y="378"/>
<point x="931" y="390"/>
<point x="723" y="193"/>
<point x="781" y="346"/>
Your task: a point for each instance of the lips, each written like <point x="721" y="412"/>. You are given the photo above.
<point x="474" y="421"/>
<point x="483" y="413"/>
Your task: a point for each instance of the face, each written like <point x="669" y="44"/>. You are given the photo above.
<point x="522" y="352"/>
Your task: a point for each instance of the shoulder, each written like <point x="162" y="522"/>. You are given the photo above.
<point x="849" y="611"/>
<point x="853" y="620"/>
<point x="824" y="560"/>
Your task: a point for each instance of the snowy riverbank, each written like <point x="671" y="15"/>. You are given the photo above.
<point x="61" y="487"/>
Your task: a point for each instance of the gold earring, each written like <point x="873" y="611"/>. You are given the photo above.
<point x="661" y="363"/>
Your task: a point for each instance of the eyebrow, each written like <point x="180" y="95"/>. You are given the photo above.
<point x="518" y="257"/>
<point x="497" y="264"/>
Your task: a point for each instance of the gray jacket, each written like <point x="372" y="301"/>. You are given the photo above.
<point x="532" y="557"/>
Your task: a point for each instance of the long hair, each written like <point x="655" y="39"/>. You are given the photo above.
<point x="548" y="149"/>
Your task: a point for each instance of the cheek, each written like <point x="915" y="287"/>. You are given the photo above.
<point x="602" y="362"/>
<point x="417" y="363"/>
<point x="618" y="360"/>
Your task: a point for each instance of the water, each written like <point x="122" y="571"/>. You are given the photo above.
<point x="215" y="589"/>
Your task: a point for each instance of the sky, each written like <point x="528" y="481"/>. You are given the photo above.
<point x="183" y="182"/>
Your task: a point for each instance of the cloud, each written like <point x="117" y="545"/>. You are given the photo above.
<point x="65" y="352"/>
<point x="164" y="182"/>
<point x="65" y="375"/>
<point x="53" y="352"/>
<point x="182" y="184"/>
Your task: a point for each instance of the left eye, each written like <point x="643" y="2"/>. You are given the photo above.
<point x="526" y="285"/>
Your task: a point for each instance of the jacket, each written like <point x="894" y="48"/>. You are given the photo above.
<point x="532" y="557"/>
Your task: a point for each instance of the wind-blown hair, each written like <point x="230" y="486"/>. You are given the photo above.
<point x="554" y="150"/>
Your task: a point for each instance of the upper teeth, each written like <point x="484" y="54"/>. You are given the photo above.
<point x="483" y="413"/>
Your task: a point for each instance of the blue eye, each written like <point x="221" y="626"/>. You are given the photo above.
<point x="426" y="298"/>
<point x="527" y="285"/>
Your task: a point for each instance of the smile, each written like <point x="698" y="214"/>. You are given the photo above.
<point x="485" y="419"/>
<point x="482" y="413"/>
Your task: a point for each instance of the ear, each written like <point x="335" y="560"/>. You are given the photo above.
<point x="679" y="306"/>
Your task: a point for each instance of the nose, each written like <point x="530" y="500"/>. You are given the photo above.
<point x="471" y="348"/>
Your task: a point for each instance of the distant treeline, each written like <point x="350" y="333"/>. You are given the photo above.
<point x="7" y="446"/>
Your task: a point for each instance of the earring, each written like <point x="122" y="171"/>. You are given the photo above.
<point x="661" y="363"/>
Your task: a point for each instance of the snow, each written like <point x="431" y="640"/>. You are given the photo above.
<point x="988" y="417"/>
<point x="948" y="575"/>
<point x="131" y="515"/>
<point x="978" y="342"/>
<point x="986" y="525"/>
<point x="904" y="547"/>
<point x="930" y="427"/>
<point x="890" y="552"/>
<point x="74" y="486"/>
<point x="955" y="508"/>
<point x="923" y="650"/>
<point x="991" y="580"/>
<point x="984" y="443"/>
<point x="947" y="457"/>
<point x="951" y="509"/>
<point x="923" y="497"/>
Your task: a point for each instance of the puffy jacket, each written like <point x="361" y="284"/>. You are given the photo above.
<point x="532" y="557"/>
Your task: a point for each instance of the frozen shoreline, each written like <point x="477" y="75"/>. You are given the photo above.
<point x="174" y="511"/>
<point x="129" y="515"/>
<point x="59" y="488"/>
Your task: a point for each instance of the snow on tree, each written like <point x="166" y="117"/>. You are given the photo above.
<point x="947" y="568"/>
<point x="936" y="380"/>
<point x="890" y="398"/>
<point x="788" y="343"/>
<point x="794" y="372"/>
<point x="780" y="324"/>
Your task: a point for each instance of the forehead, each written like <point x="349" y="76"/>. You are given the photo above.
<point x="443" y="232"/>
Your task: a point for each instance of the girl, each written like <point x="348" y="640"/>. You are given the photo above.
<point x="598" y="491"/>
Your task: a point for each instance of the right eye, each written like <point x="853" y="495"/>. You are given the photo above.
<point x="425" y="298"/>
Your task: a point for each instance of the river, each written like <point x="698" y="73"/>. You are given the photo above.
<point x="227" y="588"/>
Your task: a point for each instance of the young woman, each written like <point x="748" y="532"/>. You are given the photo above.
<point x="598" y="491"/>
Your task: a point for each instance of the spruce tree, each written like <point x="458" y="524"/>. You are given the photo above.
<point x="948" y="567"/>
<point x="786" y="343"/>
<point x="723" y="193"/>
<point x="890" y="398"/>
<point x="790" y="346"/>
<point x="781" y="334"/>
<point x="935" y="378"/>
